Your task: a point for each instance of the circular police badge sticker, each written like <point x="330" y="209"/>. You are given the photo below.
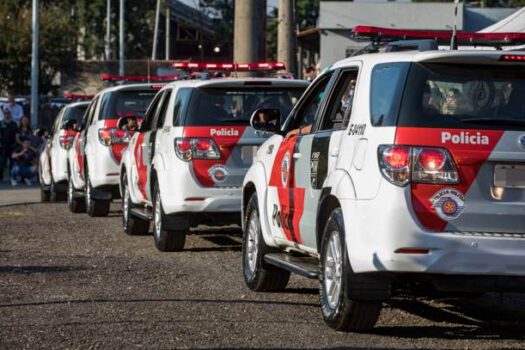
<point x="448" y="203"/>
<point x="285" y="168"/>
<point x="218" y="173"/>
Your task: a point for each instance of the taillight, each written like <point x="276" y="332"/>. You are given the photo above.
<point x="403" y="164"/>
<point x="112" y="136"/>
<point x="196" y="148"/>
<point x="66" y="141"/>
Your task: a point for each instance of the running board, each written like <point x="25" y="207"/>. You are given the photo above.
<point x="303" y="265"/>
<point x="143" y="213"/>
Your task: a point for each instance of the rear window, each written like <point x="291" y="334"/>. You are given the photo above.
<point x="464" y="96"/>
<point x="234" y="106"/>
<point x="74" y="113"/>
<point x="124" y="103"/>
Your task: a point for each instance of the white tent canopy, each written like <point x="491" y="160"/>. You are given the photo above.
<point x="515" y="23"/>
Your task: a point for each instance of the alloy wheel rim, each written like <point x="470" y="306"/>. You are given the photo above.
<point x="88" y="193"/>
<point x="333" y="270"/>
<point x="253" y="242"/>
<point x="157" y="216"/>
<point x="70" y="191"/>
<point x="125" y="204"/>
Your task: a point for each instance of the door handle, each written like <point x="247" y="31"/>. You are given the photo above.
<point x="297" y="155"/>
<point x="335" y="152"/>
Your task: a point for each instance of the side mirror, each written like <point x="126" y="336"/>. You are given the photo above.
<point x="266" y="120"/>
<point x="128" y="123"/>
<point x="70" y="124"/>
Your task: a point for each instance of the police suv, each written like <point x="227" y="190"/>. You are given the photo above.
<point x="94" y="159"/>
<point x="186" y="164"/>
<point x="53" y="159"/>
<point x="394" y="170"/>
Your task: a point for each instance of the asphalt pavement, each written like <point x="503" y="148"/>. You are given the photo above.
<point x="70" y="281"/>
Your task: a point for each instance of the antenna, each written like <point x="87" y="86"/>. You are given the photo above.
<point x="453" y="39"/>
<point x="149" y="71"/>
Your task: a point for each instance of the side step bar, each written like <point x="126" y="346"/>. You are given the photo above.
<point x="303" y="265"/>
<point x="142" y="213"/>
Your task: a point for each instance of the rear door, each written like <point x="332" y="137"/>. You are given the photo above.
<point x="80" y="145"/>
<point x="477" y="113"/>
<point x="290" y="174"/>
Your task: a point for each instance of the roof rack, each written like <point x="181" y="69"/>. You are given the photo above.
<point x="405" y="45"/>
<point x="378" y="35"/>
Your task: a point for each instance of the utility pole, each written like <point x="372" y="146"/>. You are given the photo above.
<point x="168" y="32"/>
<point x="122" y="39"/>
<point x="286" y="36"/>
<point x="108" y="30"/>
<point x="35" y="63"/>
<point x="156" y="32"/>
<point x="249" y="31"/>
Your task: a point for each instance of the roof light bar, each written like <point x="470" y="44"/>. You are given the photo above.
<point x="75" y="96"/>
<point x="464" y="38"/>
<point x="239" y="67"/>
<point x="145" y="78"/>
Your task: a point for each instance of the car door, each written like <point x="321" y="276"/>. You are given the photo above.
<point x="82" y="138"/>
<point x="143" y="146"/>
<point x="289" y="173"/>
<point x="53" y="145"/>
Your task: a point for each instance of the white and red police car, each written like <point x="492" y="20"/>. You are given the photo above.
<point x="94" y="159"/>
<point x="400" y="169"/>
<point x="53" y="158"/>
<point x="186" y="164"/>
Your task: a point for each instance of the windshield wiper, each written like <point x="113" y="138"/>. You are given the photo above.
<point x="495" y="121"/>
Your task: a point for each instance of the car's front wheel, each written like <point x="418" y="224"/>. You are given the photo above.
<point x="258" y="275"/>
<point x="165" y="240"/>
<point x="339" y="311"/>
<point x="132" y="225"/>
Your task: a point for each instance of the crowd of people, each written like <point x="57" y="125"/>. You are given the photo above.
<point x="19" y="144"/>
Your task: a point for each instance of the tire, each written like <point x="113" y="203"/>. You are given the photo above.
<point x="165" y="241"/>
<point x="95" y="207"/>
<point x="340" y="312"/>
<point x="75" y="205"/>
<point x="132" y="225"/>
<point x="258" y="275"/>
<point x="54" y="195"/>
<point x="44" y="195"/>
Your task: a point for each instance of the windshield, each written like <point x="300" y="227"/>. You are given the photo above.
<point x="74" y="113"/>
<point x="126" y="103"/>
<point x="464" y="96"/>
<point x="234" y="106"/>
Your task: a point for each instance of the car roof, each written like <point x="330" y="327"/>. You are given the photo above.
<point x="435" y="56"/>
<point x="238" y="82"/>
<point x="129" y="87"/>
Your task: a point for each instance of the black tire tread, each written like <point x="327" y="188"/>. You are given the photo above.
<point x="170" y="240"/>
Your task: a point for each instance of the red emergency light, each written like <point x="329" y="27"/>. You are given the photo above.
<point x="139" y="78"/>
<point x="513" y="58"/>
<point x="75" y="96"/>
<point x="463" y="38"/>
<point x="229" y="67"/>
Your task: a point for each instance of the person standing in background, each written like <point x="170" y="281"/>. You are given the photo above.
<point x="8" y="129"/>
<point x="16" y="110"/>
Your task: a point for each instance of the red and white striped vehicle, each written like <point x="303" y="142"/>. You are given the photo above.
<point x="94" y="159"/>
<point x="53" y="159"/>
<point x="395" y="170"/>
<point x="186" y="164"/>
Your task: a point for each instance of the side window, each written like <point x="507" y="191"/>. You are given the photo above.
<point x="90" y="113"/>
<point x="181" y="103"/>
<point x="308" y="111"/>
<point x="340" y="105"/>
<point x="161" y="116"/>
<point x="56" y="124"/>
<point x="149" y="117"/>
<point x="386" y="89"/>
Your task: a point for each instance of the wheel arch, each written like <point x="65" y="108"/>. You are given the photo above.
<point x="327" y="203"/>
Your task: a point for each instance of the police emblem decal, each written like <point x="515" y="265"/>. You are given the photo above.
<point x="448" y="203"/>
<point x="285" y="168"/>
<point x="218" y="173"/>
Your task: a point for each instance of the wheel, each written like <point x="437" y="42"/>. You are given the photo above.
<point x="75" y="205"/>
<point x="340" y="312"/>
<point x="165" y="241"/>
<point x="95" y="207"/>
<point x="258" y="275"/>
<point x="54" y="195"/>
<point x="132" y="225"/>
<point x="44" y="195"/>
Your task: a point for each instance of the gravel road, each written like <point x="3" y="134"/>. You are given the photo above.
<point x="69" y="281"/>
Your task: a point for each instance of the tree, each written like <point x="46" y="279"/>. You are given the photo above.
<point x="57" y="50"/>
